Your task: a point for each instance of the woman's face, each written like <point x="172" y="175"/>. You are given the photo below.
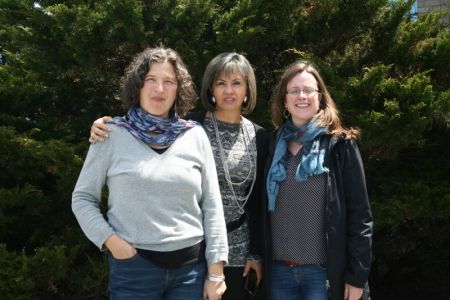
<point x="302" y="98"/>
<point x="229" y="91"/>
<point x="159" y="91"/>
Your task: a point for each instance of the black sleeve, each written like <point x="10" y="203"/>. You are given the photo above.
<point x="255" y="201"/>
<point x="198" y="116"/>
<point x="359" y="217"/>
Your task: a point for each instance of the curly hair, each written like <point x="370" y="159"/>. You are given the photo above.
<point x="225" y="64"/>
<point x="328" y="114"/>
<point x="135" y="73"/>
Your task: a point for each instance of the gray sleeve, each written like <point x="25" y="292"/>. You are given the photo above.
<point x="86" y="196"/>
<point x="212" y="208"/>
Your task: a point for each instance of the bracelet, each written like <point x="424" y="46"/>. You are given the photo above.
<point x="215" y="278"/>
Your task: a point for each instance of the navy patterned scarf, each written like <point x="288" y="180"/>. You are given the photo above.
<point x="151" y="129"/>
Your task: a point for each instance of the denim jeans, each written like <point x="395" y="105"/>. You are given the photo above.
<point x="306" y="282"/>
<point x="138" y="278"/>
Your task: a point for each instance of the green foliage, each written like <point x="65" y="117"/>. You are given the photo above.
<point x="387" y="73"/>
<point x="411" y="203"/>
<point x="51" y="273"/>
<point x="69" y="63"/>
<point x="380" y="102"/>
<point x="37" y="180"/>
<point x="424" y="45"/>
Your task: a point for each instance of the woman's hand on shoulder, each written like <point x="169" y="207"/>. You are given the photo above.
<point x="99" y="130"/>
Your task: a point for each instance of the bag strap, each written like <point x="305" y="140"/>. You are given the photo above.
<point x="233" y="225"/>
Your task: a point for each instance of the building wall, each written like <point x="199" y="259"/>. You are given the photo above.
<point x="425" y="6"/>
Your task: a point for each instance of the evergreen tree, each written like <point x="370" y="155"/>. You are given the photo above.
<point x="388" y="74"/>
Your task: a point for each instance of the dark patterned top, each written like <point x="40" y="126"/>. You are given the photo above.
<point x="232" y="139"/>
<point x="298" y="221"/>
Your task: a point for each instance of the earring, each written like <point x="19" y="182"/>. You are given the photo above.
<point x="245" y="99"/>
<point x="286" y="113"/>
<point x="213" y="100"/>
<point x="173" y="111"/>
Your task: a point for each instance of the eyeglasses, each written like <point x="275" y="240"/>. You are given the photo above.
<point x="307" y="91"/>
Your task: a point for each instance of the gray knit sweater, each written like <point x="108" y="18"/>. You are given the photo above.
<point x="159" y="202"/>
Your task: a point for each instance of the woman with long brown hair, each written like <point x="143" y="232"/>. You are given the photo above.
<point x="318" y="220"/>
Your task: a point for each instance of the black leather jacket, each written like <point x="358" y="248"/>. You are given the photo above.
<point x="348" y="219"/>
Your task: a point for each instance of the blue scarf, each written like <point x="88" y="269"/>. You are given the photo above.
<point x="164" y="131"/>
<point x="313" y="154"/>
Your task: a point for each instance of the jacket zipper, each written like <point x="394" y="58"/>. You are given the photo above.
<point x="327" y="210"/>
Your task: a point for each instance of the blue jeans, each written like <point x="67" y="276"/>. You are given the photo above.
<point x="306" y="282"/>
<point x="138" y="278"/>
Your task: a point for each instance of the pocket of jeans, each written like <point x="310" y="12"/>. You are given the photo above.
<point x="323" y="267"/>
<point x="124" y="259"/>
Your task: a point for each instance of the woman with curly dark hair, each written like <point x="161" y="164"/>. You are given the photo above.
<point x="135" y="77"/>
<point x="165" y="224"/>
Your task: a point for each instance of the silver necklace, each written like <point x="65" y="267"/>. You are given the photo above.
<point x="251" y="154"/>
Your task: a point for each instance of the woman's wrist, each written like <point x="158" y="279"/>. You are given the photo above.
<point x="216" y="268"/>
<point x="111" y="242"/>
<point x="215" y="272"/>
<point x="254" y="257"/>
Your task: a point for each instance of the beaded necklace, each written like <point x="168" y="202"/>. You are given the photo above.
<point x="250" y="154"/>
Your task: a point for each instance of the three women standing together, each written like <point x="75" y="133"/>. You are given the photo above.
<point x="315" y="212"/>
